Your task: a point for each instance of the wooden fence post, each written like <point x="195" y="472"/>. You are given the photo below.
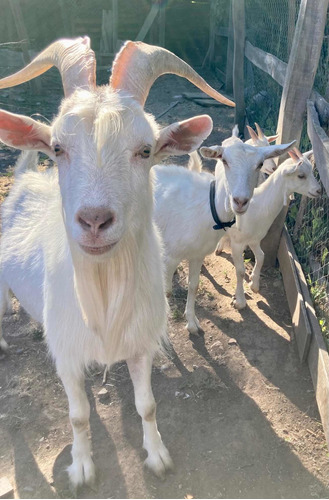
<point x="301" y="69"/>
<point x="238" y="18"/>
<point x="230" y="53"/>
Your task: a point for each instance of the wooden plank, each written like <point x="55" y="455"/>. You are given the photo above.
<point x="148" y="23"/>
<point x="294" y="284"/>
<point x="229" y="54"/>
<point x="320" y="144"/>
<point x="318" y="357"/>
<point x="238" y="16"/>
<point x="266" y="62"/>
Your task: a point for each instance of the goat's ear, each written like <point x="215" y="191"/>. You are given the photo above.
<point x="293" y="155"/>
<point x="253" y="135"/>
<point x="183" y="137"/>
<point x="272" y="138"/>
<point x="276" y="150"/>
<point x="21" y="132"/>
<point x="212" y="152"/>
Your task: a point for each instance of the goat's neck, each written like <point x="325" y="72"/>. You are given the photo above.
<point x="273" y="194"/>
<point x="222" y="201"/>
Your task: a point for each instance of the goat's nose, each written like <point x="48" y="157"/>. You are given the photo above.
<point x="95" y="220"/>
<point x="241" y="202"/>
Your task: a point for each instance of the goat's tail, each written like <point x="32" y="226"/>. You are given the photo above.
<point x="28" y="160"/>
<point x="195" y="163"/>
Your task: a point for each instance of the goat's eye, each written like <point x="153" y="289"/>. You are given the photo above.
<point x="145" y="152"/>
<point x="301" y="176"/>
<point x="57" y="150"/>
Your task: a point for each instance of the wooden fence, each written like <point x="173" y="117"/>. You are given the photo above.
<point x="297" y="78"/>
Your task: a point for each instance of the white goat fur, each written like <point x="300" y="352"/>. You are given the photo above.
<point x="182" y="210"/>
<point x="109" y="305"/>
<point x="266" y="203"/>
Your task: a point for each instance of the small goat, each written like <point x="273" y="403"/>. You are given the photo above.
<point x="294" y="175"/>
<point x="85" y="258"/>
<point x="182" y="209"/>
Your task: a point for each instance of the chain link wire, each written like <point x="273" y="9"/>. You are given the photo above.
<point x="270" y="25"/>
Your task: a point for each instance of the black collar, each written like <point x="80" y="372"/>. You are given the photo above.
<point x="219" y="223"/>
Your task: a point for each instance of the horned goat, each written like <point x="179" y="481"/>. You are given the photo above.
<point x="294" y="175"/>
<point x="85" y="258"/>
<point x="183" y="209"/>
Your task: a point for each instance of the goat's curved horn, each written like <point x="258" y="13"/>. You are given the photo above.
<point x="260" y="133"/>
<point x="74" y="59"/>
<point x="138" y="65"/>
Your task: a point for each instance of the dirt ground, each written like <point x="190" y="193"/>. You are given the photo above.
<point x="236" y="409"/>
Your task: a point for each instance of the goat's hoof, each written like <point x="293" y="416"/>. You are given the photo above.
<point x="254" y="287"/>
<point x="160" y="462"/>
<point x="239" y="304"/>
<point x="82" y="472"/>
<point x="193" y="328"/>
<point x="218" y="251"/>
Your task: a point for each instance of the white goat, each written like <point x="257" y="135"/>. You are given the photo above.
<point x="269" y="165"/>
<point x="294" y="175"/>
<point x="182" y="207"/>
<point x="85" y="258"/>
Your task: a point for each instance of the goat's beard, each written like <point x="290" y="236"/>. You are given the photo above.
<point x="105" y="291"/>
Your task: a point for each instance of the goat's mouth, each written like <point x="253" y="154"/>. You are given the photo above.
<point x="240" y="211"/>
<point x="313" y="195"/>
<point x="97" y="250"/>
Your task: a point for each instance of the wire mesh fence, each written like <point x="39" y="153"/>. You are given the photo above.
<point x="308" y="220"/>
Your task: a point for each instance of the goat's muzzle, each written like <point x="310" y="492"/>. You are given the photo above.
<point x="240" y="205"/>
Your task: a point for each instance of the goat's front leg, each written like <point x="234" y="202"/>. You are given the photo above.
<point x="237" y="254"/>
<point x="193" y="325"/>
<point x="222" y="242"/>
<point x="158" y="459"/>
<point x="82" y="469"/>
<point x="259" y="261"/>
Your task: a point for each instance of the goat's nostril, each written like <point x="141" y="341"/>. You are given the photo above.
<point x="83" y="223"/>
<point x="95" y="220"/>
<point x="106" y="224"/>
<point x="241" y="202"/>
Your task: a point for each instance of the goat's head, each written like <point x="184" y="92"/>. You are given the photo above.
<point x="242" y="163"/>
<point x="102" y="140"/>
<point x="260" y="139"/>
<point x="299" y="175"/>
